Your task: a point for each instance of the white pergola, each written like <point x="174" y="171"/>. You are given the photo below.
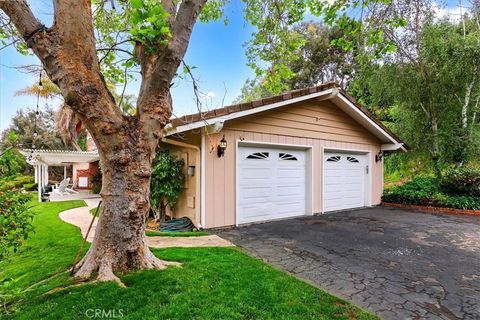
<point x="42" y="159"/>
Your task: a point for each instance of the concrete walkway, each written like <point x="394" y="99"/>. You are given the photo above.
<point x="82" y="218"/>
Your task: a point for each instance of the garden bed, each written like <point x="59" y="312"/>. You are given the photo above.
<point x="458" y="192"/>
<point x="432" y="209"/>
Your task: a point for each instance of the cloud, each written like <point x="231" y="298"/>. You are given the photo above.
<point x="207" y="96"/>
<point x="453" y="14"/>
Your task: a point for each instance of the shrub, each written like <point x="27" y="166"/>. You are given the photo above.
<point x="97" y="182"/>
<point x="461" y="182"/>
<point x="12" y="163"/>
<point x="458" y="202"/>
<point x="16" y="183"/>
<point x="30" y="186"/>
<point x="417" y="191"/>
<point x="15" y="221"/>
<point x="167" y="183"/>
<point x="96" y="189"/>
<point x="424" y="191"/>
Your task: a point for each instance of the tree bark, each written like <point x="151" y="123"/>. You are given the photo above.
<point x="436" y="147"/>
<point x="120" y="242"/>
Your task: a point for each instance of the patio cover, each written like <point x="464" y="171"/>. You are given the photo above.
<point x="41" y="159"/>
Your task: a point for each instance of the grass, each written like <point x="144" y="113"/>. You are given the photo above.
<point x="93" y="210"/>
<point x="214" y="283"/>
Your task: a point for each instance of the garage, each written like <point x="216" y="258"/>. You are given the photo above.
<point x="300" y="153"/>
<point x="271" y="183"/>
<point x="345" y="181"/>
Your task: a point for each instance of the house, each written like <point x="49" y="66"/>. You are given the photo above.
<point x="304" y="152"/>
<point x="83" y="165"/>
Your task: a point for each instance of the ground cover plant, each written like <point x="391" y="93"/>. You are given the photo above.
<point x="458" y="189"/>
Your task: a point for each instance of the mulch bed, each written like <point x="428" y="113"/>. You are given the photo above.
<point x="432" y="209"/>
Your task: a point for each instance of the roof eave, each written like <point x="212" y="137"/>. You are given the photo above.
<point x="335" y="94"/>
<point x="324" y="95"/>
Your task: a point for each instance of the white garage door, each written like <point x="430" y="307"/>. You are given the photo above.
<point x="271" y="184"/>
<point x="344" y="181"/>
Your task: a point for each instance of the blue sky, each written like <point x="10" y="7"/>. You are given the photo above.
<point x="215" y="49"/>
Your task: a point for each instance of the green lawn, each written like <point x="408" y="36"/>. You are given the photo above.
<point x="93" y="211"/>
<point x="214" y="283"/>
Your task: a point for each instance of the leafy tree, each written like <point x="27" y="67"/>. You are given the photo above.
<point x="253" y="89"/>
<point x="84" y="47"/>
<point x="23" y="127"/>
<point x="68" y="124"/>
<point x="431" y="93"/>
<point x="320" y="61"/>
<point x="12" y="162"/>
<point x="167" y="183"/>
<point x="15" y="221"/>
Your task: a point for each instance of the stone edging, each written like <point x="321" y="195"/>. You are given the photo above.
<point x="432" y="209"/>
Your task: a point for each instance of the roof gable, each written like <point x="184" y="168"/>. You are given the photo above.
<point x="329" y="91"/>
<point x="306" y="119"/>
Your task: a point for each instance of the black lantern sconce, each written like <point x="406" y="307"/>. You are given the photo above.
<point x="379" y="156"/>
<point x="222" y="147"/>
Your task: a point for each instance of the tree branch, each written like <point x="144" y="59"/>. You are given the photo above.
<point x="21" y="16"/>
<point x="183" y="26"/>
<point x="158" y="70"/>
<point x="68" y="55"/>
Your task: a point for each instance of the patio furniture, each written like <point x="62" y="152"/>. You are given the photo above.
<point x="65" y="187"/>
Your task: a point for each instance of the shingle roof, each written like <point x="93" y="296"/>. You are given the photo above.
<point x="176" y="122"/>
<point x="250" y="105"/>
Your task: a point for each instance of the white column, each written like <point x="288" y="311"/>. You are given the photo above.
<point x="35" y="173"/>
<point x="64" y="172"/>
<point x="46" y="175"/>
<point x="43" y="175"/>
<point x="39" y="181"/>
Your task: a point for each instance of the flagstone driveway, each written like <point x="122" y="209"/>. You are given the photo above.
<point x="396" y="263"/>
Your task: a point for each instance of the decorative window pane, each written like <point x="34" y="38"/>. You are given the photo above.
<point x="258" y="155"/>
<point x="352" y="159"/>
<point x="286" y="156"/>
<point x="333" y="159"/>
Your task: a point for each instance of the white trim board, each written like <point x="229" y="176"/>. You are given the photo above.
<point x="203" y="209"/>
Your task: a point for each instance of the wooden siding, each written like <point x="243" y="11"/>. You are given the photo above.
<point x="316" y="120"/>
<point x="320" y="125"/>
<point x="191" y="192"/>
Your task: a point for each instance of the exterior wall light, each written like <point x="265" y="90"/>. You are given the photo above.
<point x="222" y="147"/>
<point x="379" y="156"/>
<point x="191" y="171"/>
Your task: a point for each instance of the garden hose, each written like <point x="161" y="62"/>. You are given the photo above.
<point x="177" y="225"/>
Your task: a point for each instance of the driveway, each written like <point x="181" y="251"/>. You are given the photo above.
<point x="396" y="263"/>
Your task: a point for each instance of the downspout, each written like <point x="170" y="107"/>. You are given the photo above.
<point x="199" y="177"/>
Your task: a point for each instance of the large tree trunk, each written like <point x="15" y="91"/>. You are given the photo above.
<point x="120" y="243"/>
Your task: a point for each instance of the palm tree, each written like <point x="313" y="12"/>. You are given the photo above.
<point x="67" y="123"/>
